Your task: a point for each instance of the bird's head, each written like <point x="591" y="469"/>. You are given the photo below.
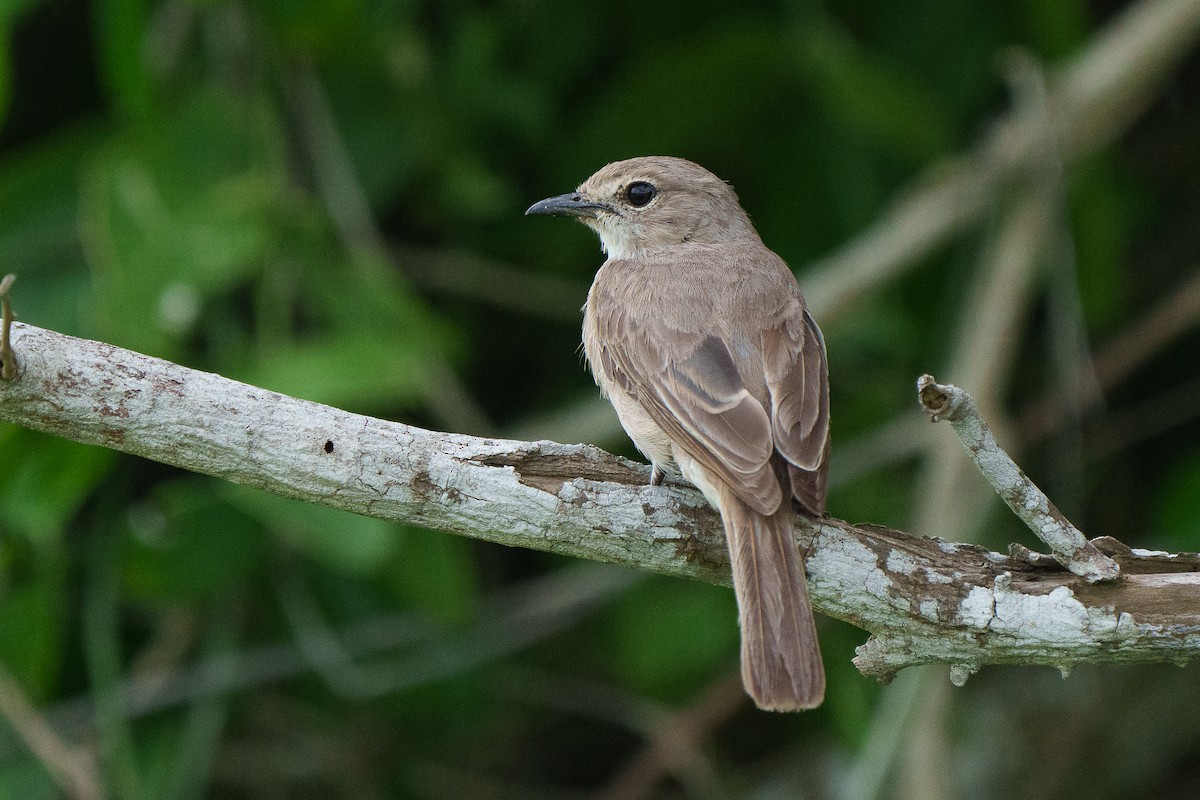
<point x="645" y="204"/>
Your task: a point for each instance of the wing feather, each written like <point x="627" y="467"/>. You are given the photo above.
<point x="798" y="380"/>
<point x="689" y="385"/>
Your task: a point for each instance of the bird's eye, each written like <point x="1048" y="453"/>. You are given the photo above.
<point x="639" y="193"/>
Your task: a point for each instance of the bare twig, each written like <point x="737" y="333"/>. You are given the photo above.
<point x="392" y="651"/>
<point x="71" y="770"/>
<point x="1094" y="96"/>
<point x="1162" y="325"/>
<point x="537" y="294"/>
<point x="8" y="361"/>
<point x="897" y="440"/>
<point x="1069" y="546"/>
<point x="675" y="743"/>
<point x="952" y="501"/>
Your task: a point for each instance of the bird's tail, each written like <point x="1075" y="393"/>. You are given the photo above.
<point x="781" y="660"/>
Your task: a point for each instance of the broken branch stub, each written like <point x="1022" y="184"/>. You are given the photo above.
<point x="1068" y="545"/>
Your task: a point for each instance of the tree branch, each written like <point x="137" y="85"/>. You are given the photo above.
<point x="1021" y="495"/>
<point x="924" y="600"/>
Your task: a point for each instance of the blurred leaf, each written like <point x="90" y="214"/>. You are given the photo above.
<point x="189" y="544"/>
<point x="351" y="370"/>
<point x="378" y="128"/>
<point x="885" y="496"/>
<point x="120" y="27"/>
<point x="39" y="193"/>
<point x="39" y="198"/>
<point x="685" y="93"/>
<point x="947" y="47"/>
<point x="6" y="77"/>
<point x="374" y="349"/>
<point x="436" y="573"/>
<point x="175" y="210"/>
<point x="1057" y="28"/>
<point x="316" y="26"/>
<point x="668" y="636"/>
<point x="1179" y="506"/>
<point x="1100" y="210"/>
<point x="44" y="480"/>
<point x="849" y="695"/>
<point x="11" y="12"/>
<point x="473" y="189"/>
<point x="338" y="539"/>
<point x="32" y="630"/>
<point x="869" y="97"/>
<point x="490" y="94"/>
<point x="27" y="779"/>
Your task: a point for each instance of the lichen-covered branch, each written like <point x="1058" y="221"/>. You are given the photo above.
<point x="923" y="600"/>
<point x="1019" y="493"/>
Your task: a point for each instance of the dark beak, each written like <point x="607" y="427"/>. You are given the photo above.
<point x="572" y="204"/>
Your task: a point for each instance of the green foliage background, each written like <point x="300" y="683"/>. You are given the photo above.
<point x="325" y="198"/>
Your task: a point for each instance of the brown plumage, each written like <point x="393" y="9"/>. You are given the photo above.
<point x="699" y="336"/>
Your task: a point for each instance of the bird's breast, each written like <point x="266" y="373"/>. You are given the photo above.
<point x="645" y="433"/>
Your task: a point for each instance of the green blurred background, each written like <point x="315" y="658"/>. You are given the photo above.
<point x="325" y="199"/>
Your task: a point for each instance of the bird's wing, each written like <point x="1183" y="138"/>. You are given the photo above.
<point x="689" y="385"/>
<point x="798" y="381"/>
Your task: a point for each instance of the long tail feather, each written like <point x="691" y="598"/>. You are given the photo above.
<point x="781" y="659"/>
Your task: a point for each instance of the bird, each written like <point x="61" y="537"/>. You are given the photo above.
<point x="699" y="336"/>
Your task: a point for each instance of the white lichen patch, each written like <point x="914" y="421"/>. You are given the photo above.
<point x="1140" y="553"/>
<point x="933" y="576"/>
<point x="1057" y="617"/>
<point x="901" y="562"/>
<point x="978" y="608"/>
<point x="929" y="609"/>
<point x="999" y="469"/>
<point x="843" y="565"/>
<point x="571" y="493"/>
